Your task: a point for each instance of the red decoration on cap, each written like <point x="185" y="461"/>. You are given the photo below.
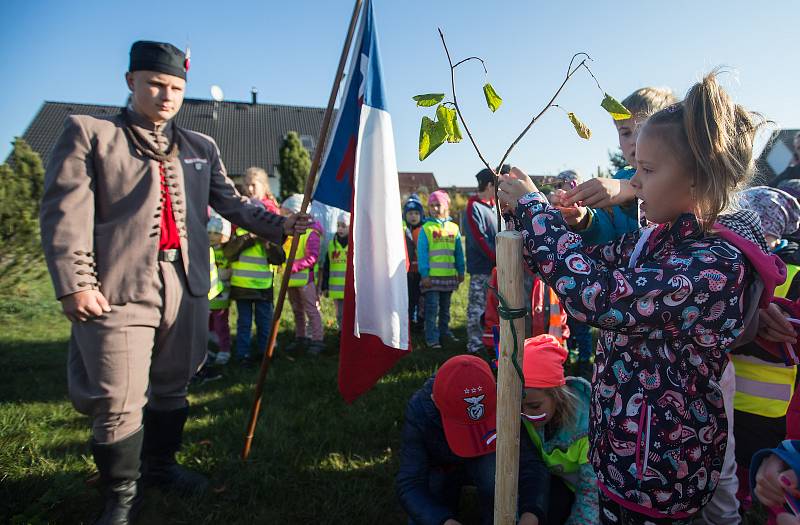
<point x="186" y="62"/>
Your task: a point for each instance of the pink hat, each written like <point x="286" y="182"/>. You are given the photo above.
<point x="543" y="362"/>
<point x="440" y="196"/>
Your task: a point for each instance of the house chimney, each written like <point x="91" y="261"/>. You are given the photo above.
<point x="254" y="95"/>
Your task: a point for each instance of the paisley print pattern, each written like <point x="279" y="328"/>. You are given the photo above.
<point x="657" y="422"/>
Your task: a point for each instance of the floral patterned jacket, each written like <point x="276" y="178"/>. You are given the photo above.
<point x="669" y="306"/>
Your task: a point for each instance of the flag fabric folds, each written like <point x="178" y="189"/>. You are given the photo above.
<point x="359" y="174"/>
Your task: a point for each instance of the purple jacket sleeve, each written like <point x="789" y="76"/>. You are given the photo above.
<point x="689" y="295"/>
<point x="311" y="255"/>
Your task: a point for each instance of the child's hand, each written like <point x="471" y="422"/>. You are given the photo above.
<point x="787" y="519"/>
<point x="600" y="193"/>
<point x="574" y="216"/>
<point x="528" y="518"/>
<point x="425" y="282"/>
<point x="773" y="326"/>
<point x="773" y="481"/>
<point x="460" y="279"/>
<point x="513" y="187"/>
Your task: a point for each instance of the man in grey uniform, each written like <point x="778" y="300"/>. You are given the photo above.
<point x="123" y="223"/>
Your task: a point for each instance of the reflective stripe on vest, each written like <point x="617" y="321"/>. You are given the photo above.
<point x="765" y="388"/>
<point x="791" y="272"/>
<point x="251" y="270"/>
<point x="337" y="260"/>
<point x="441" y="248"/>
<point x="216" y="285"/>
<point x="223" y="298"/>
<point x="564" y="463"/>
<point x="762" y="388"/>
<point x="300" y="279"/>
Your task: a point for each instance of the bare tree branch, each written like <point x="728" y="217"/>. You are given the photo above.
<point x="472" y="58"/>
<point x="571" y="71"/>
<point x="455" y="99"/>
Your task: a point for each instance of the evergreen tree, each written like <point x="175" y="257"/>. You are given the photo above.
<point x="294" y="166"/>
<point x="618" y="162"/>
<point x="21" y="186"/>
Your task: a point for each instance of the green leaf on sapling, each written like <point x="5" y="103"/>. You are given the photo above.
<point x="431" y="135"/>
<point x="449" y="119"/>
<point x="615" y="108"/>
<point x="493" y="100"/>
<point x="429" y="99"/>
<point x="582" y="129"/>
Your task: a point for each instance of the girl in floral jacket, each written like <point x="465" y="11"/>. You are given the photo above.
<point x="670" y="301"/>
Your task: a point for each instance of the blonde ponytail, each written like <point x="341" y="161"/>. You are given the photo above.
<point x="714" y="138"/>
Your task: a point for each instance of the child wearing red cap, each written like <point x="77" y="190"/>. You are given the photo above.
<point x="555" y="413"/>
<point x="449" y="441"/>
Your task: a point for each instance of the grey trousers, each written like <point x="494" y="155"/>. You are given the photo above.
<point x="141" y="353"/>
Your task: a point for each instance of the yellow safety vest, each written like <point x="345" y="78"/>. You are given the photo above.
<point x="216" y="285"/>
<point x="300" y="279"/>
<point x="791" y="272"/>
<point x="223" y="299"/>
<point x="251" y="270"/>
<point x="564" y="462"/>
<point x="764" y="388"/>
<point x="337" y="261"/>
<point x="441" y="248"/>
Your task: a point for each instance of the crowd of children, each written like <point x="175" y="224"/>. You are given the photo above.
<point x="689" y="276"/>
<point x="245" y="270"/>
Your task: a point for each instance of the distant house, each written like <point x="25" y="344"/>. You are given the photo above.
<point x="777" y="154"/>
<point x="416" y="182"/>
<point x="247" y="133"/>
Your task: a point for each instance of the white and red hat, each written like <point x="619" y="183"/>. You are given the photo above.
<point x="465" y="392"/>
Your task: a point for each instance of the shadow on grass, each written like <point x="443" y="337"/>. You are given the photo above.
<point x="314" y="459"/>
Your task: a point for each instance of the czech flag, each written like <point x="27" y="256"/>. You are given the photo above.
<point x="359" y="174"/>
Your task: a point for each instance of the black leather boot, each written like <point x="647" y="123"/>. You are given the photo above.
<point x="163" y="431"/>
<point x="118" y="464"/>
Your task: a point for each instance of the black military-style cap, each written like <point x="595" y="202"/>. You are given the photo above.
<point x="158" y="56"/>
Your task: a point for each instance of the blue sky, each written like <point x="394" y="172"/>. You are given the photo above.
<point x="78" y="52"/>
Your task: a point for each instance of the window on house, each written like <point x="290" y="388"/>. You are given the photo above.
<point x="308" y="142"/>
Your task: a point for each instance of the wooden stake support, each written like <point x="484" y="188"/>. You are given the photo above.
<point x="509" y="385"/>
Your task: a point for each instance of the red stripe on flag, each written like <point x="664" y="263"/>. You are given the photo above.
<point x="362" y="360"/>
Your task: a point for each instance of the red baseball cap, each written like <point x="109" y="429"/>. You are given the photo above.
<point x="465" y="392"/>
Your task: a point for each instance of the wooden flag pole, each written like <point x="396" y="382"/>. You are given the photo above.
<point x="509" y="384"/>
<point x="310" y="181"/>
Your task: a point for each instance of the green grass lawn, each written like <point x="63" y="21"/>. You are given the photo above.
<point x="314" y="459"/>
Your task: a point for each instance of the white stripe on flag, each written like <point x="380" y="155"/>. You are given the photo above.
<point x="379" y="254"/>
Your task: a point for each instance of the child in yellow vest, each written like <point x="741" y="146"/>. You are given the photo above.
<point x="440" y="256"/>
<point x="335" y="269"/>
<point x="555" y="416"/>
<point x="252" y="261"/>
<point x="302" y="285"/>
<point x="219" y="233"/>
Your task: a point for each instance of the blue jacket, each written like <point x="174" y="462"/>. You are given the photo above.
<point x="480" y="231"/>
<point x="422" y="251"/>
<point x="609" y="225"/>
<point x="424" y="449"/>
